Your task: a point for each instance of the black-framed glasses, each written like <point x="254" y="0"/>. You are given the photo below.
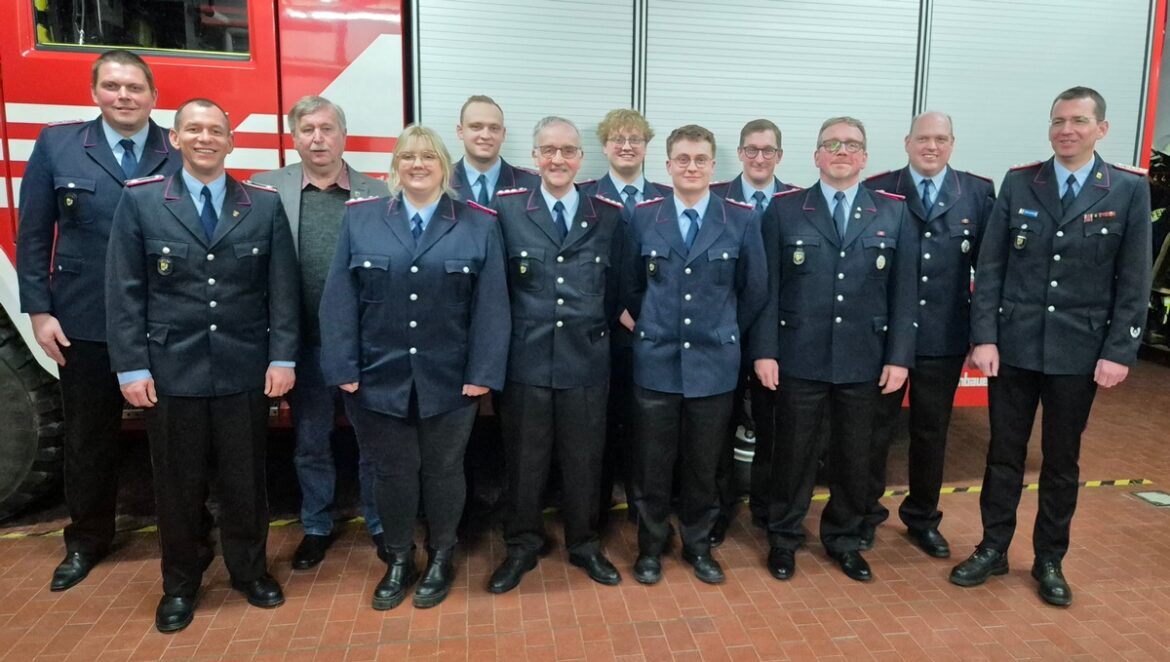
<point x="834" y="145"/>
<point x="684" y="160"/>
<point x="753" y="152"/>
<point x="567" y="151"/>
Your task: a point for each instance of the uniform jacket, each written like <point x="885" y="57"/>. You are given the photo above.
<point x="604" y="187"/>
<point x="510" y="177"/>
<point x="564" y="294"/>
<point x="288" y="181"/>
<point x="71" y="186"/>
<point x="691" y="306"/>
<point x="433" y="317"/>
<point x="206" y="318"/>
<point x="838" y="311"/>
<point x="732" y="189"/>
<point x="949" y="237"/>
<point x="1056" y="291"/>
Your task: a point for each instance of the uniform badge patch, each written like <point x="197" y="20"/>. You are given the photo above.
<point x="70" y="199"/>
<point x="652" y="267"/>
<point x="166" y="266"/>
<point x="522" y="268"/>
<point x="880" y="262"/>
<point x="798" y="256"/>
<point x="1020" y="242"/>
<point x="1135" y="331"/>
<point x="965" y="246"/>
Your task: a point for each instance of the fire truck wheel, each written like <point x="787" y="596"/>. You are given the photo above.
<point x="32" y="425"/>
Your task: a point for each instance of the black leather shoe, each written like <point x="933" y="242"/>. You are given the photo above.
<point x="263" y="592"/>
<point x="311" y="551"/>
<point x="853" y="564"/>
<point x="436" y="582"/>
<point x="781" y="563"/>
<point x="930" y="541"/>
<point x="648" y="569"/>
<point x="718" y="531"/>
<point x="867" y="537"/>
<point x="72" y="569"/>
<point x="706" y="568"/>
<point x="174" y="613"/>
<point x="399" y="577"/>
<point x="983" y="563"/>
<point x="379" y="541"/>
<point x="511" y="571"/>
<point x="598" y="568"/>
<point x="1053" y="588"/>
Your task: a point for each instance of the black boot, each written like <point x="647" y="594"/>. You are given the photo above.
<point x="400" y="575"/>
<point x="436" y="582"/>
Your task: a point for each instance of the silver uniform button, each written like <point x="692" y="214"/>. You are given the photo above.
<point x="687" y="297"/>
<point x="413" y="324"/>
<point x="926" y="256"/>
<point x="837" y="320"/>
<point x="653" y="253"/>
<point x="560" y="324"/>
<point x="687" y="321"/>
<point x="966" y="232"/>
<point x="925" y="278"/>
<point x="413" y="350"/>
<point x="840" y="297"/>
<point x="71" y="185"/>
<point x="783" y="323"/>
<point x="885" y="327"/>
<point x="1052" y="309"/>
<point x="687" y="271"/>
<point x="211" y="281"/>
<point x="927" y="234"/>
<point x="560" y="302"/>
<point x="523" y="253"/>
<point x="1104" y="230"/>
<point x="1053" y="283"/>
<point x="686" y="345"/>
<point x="210" y="257"/>
<point x="799" y="242"/>
<point x="213" y="327"/>
<point x="725" y="256"/>
<point x="166" y="250"/>
<point x="413" y="296"/>
<point x="367" y="264"/>
<point x="841" y="276"/>
<point x="414" y="268"/>
<point x="1060" y="233"/>
<point x="560" y="258"/>
<point x="255" y="251"/>
<point x="560" y="280"/>
<point x="1056" y="258"/>
<point x="466" y="270"/>
<point x="212" y="304"/>
<point x="922" y="302"/>
<point x="842" y="253"/>
<point x="1023" y="226"/>
<point x="597" y="259"/>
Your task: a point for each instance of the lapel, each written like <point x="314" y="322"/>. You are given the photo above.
<point x="1046" y="190"/>
<point x="541" y="217"/>
<point x="507" y="178"/>
<point x="666" y="225"/>
<point x="818" y="215"/>
<point x="950" y="193"/>
<point x="441" y="223"/>
<point x="904" y="186"/>
<point x="399" y="225"/>
<point x="459" y="180"/>
<point x="606" y="188"/>
<point x="179" y="203"/>
<point x="864" y="211"/>
<point x="154" y="153"/>
<point x="583" y="221"/>
<point x="237" y="203"/>
<point x="290" y="197"/>
<point x="650" y="191"/>
<point x="714" y="220"/>
<point x="1096" y="187"/>
<point x="99" y="150"/>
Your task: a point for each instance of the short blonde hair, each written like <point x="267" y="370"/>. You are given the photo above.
<point x="623" y="119"/>
<point x="427" y="138"/>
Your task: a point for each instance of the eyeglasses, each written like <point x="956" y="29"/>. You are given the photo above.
<point x="753" y="152"/>
<point x="567" y="151"/>
<point x="618" y="141"/>
<point x="426" y="157"/>
<point x="684" y="160"/>
<point x="834" y="146"/>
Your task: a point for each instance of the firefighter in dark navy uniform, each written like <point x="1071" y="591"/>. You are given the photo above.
<point x="950" y="209"/>
<point x="564" y="255"/>
<point x="1061" y="291"/>
<point x="203" y="312"/>
<point x="71" y="186"/>
<point x="695" y="279"/>
<point x="482" y="172"/>
<point x="838" y="331"/>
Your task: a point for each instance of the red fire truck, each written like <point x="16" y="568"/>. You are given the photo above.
<point x="993" y="66"/>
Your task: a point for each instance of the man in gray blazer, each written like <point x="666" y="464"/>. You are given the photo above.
<point x="314" y="193"/>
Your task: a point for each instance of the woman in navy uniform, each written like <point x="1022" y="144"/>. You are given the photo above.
<point x="414" y="318"/>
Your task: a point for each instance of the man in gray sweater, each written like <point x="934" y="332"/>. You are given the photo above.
<point x="314" y="193"/>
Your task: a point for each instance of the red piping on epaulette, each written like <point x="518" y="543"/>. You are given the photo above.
<point x="892" y="196"/>
<point x="880" y="174"/>
<point x="611" y="203"/>
<point x="986" y="179"/>
<point x="649" y="202"/>
<point x="586" y="182"/>
<point x="510" y="191"/>
<point x="737" y="203"/>
<point x="358" y="201"/>
<point x="145" y="180"/>
<point x="780" y="194"/>
<point x="65" y="122"/>
<point x="260" y="187"/>
<point x="1024" y="166"/>
<point x="475" y="205"/>
<point x="1133" y="169"/>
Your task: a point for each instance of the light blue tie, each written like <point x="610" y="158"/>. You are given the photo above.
<point x="129" y="161"/>
<point x="416" y="228"/>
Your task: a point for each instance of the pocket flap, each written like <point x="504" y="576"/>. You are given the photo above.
<point x="166" y="247"/>
<point x="526" y="253"/>
<point x="1098" y="319"/>
<point x="68" y="263"/>
<point x="367" y="261"/>
<point x="462" y="267"/>
<point x="598" y="332"/>
<point x="1099" y="229"/>
<point x="728" y="335"/>
<point x="789" y="320"/>
<point x="250" y="248"/>
<point x="1006" y="307"/>
<point x="157" y="333"/>
<point x="74" y="183"/>
<point x="879" y="242"/>
<point x="802" y="241"/>
<point x="725" y="253"/>
<point x="656" y="251"/>
<point x="881" y="323"/>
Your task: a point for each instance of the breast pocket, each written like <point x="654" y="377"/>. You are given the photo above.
<point x="253" y="256"/>
<point x="798" y="254"/>
<point x="460" y="280"/>
<point x="526" y="268"/>
<point x="1023" y="232"/>
<point x="724" y="260"/>
<point x="593" y="270"/>
<point x="654" y="258"/>
<point x="75" y="198"/>
<point x="166" y="257"/>
<point x="373" y="276"/>
<point x="963" y="237"/>
<point x="1102" y="240"/>
<point x="880" y="253"/>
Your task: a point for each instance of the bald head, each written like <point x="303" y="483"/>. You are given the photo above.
<point x="930" y="142"/>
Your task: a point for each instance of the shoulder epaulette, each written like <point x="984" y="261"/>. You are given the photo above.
<point x="1023" y="166"/>
<point x="650" y="202"/>
<point x="780" y="194"/>
<point x="737" y="203"/>
<point x="64" y="122"/>
<point x="880" y="174"/>
<point x="892" y="196"/>
<point x="724" y="182"/>
<point x="475" y="205"/>
<point x="358" y="201"/>
<point x="611" y="203"/>
<point x="510" y="191"/>
<point x="587" y="182"/>
<point x="1133" y="169"/>
<point x="986" y="179"/>
<point x="260" y="187"/>
<point x="145" y="180"/>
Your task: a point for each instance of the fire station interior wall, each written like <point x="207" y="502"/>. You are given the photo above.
<point x="996" y="66"/>
<point x="573" y="59"/>
<point x="721" y="64"/>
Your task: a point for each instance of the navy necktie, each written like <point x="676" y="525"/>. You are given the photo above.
<point x="839" y="214"/>
<point x="692" y="229"/>
<point x="927" y="198"/>
<point x="129" y="161"/>
<point x="631" y="200"/>
<point x="1069" y="192"/>
<point x="483" y="192"/>
<point x="759" y="197"/>
<point x="416" y="228"/>
<point x="207" y="216"/>
<point x="559" y="221"/>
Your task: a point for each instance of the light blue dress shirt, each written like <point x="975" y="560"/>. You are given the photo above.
<point x="571" y="201"/>
<point x="684" y="223"/>
<point x="936" y="181"/>
<point x="850" y="194"/>
<point x="425" y="213"/>
<point x="1081" y="174"/>
<point x="492" y="175"/>
<point x="113" y="138"/>
<point x="749" y="190"/>
<point x="618" y="185"/>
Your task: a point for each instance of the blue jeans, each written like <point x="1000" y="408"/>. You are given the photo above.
<point x="314" y="407"/>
